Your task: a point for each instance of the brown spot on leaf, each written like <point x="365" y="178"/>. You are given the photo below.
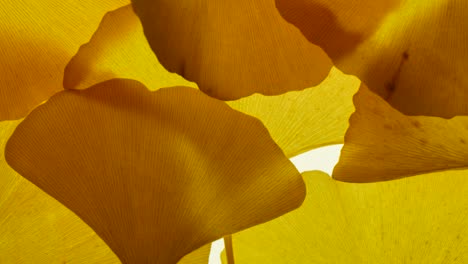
<point x="405" y="55"/>
<point x="391" y="85"/>
<point x="423" y="141"/>
<point x="416" y="123"/>
<point x="462" y="141"/>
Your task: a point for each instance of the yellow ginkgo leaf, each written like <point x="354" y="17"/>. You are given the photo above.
<point x="36" y="228"/>
<point x="337" y="26"/>
<point x="412" y="53"/>
<point x="383" y="144"/>
<point x="308" y="119"/>
<point x="38" y="38"/>
<point x="298" y="121"/>
<point x="231" y="49"/>
<point x="199" y="256"/>
<point x="155" y="174"/>
<point x="118" y="49"/>
<point x="413" y="220"/>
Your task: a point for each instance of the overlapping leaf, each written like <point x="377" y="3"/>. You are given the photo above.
<point x="412" y="53"/>
<point x="383" y="144"/>
<point x="36" y="228"/>
<point x="304" y="120"/>
<point x="118" y="49"/>
<point x="38" y="38"/>
<point x="297" y="121"/>
<point x="413" y="220"/>
<point x="199" y="256"/>
<point x="160" y="174"/>
<point x="231" y="49"/>
<point x="156" y="175"/>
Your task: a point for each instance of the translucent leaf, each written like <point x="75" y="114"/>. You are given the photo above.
<point x="413" y="220"/>
<point x="383" y="144"/>
<point x="231" y="49"/>
<point x="155" y="174"/>
<point x="38" y="39"/>
<point x="412" y="53"/>
<point x="298" y="121"/>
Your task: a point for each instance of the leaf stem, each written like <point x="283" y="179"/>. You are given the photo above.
<point x="229" y="249"/>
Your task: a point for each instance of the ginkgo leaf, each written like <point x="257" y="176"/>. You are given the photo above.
<point x="308" y="119"/>
<point x="38" y="39"/>
<point x="118" y="49"/>
<point x="412" y="53"/>
<point x="383" y="144"/>
<point x="199" y="256"/>
<point x="36" y="228"/>
<point x="339" y="27"/>
<point x="155" y="174"/>
<point x="413" y="220"/>
<point x="298" y="121"/>
<point x="231" y="49"/>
